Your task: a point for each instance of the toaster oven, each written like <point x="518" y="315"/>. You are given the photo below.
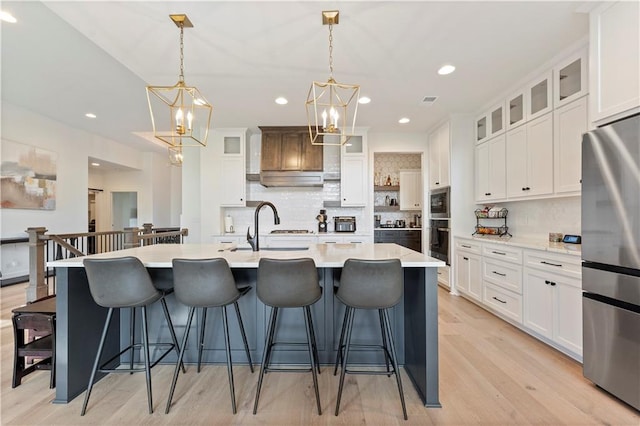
<point x="344" y="223"/>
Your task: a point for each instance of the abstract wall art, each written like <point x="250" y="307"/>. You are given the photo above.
<point x="28" y="177"/>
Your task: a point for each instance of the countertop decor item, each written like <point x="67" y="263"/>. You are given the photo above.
<point x="189" y="112"/>
<point x="332" y="107"/>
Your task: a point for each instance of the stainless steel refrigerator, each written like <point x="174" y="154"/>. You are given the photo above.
<point x="611" y="258"/>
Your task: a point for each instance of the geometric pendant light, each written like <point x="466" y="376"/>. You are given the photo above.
<point x="180" y="115"/>
<point x="332" y="107"/>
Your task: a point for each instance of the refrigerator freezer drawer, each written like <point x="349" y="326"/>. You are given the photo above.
<point x="612" y="349"/>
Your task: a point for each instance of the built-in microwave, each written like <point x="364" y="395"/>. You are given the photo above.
<point x="439" y="205"/>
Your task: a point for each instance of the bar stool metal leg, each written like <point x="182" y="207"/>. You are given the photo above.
<point x="132" y="336"/>
<point x="394" y="361"/>
<point x="174" y="339"/>
<point x="269" y="347"/>
<point x="346" y="357"/>
<point x="96" y="363"/>
<point x="180" y="357"/>
<point x="307" y="312"/>
<point x="201" y="338"/>
<point x="384" y="342"/>
<point x="265" y="355"/>
<point x="312" y="355"/>
<point x="244" y="335"/>
<point x="147" y="362"/>
<point x="227" y="345"/>
<point x="341" y="342"/>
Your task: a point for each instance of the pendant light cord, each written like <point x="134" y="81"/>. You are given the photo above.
<point x="182" y="52"/>
<point x="330" y="51"/>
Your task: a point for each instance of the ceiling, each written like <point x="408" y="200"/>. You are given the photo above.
<point x="64" y="59"/>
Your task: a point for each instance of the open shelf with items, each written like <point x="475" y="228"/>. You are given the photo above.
<point x="386" y="188"/>
<point x="486" y="222"/>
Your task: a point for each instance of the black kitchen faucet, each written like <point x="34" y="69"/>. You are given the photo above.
<point x="253" y="241"/>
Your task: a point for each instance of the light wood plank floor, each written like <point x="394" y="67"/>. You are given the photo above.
<point x="490" y="373"/>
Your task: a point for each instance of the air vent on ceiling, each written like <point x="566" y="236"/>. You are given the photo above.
<point x="428" y="100"/>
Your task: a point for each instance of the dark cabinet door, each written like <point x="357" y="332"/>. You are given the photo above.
<point x="408" y="239"/>
<point x="289" y="149"/>
<point x="312" y="155"/>
<point x="271" y="151"/>
<point x="291" y="154"/>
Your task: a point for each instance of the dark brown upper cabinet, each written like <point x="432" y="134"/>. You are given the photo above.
<point x="289" y="148"/>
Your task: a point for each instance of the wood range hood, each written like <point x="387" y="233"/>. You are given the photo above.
<point x="288" y="159"/>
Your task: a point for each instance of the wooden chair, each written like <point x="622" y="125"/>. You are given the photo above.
<point x="37" y="319"/>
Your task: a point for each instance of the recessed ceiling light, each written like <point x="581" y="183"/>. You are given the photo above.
<point x="446" y="69"/>
<point x="7" y="17"/>
<point x="404" y="120"/>
<point x="90" y="115"/>
<point x="282" y="101"/>
<point x="95" y="164"/>
<point x="364" y="100"/>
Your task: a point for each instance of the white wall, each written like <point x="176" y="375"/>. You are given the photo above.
<point x="73" y="148"/>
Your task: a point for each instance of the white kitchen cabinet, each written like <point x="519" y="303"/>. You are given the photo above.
<point x="570" y="122"/>
<point x="233" y="169"/>
<point x="529" y="158"/>
<point x="490" y="168"/>
<point x="570" y="79"/>
<point x="614" y="61"/>
<point x="439" y="157"/>
<point x="288" y="241"/>
<point x="468" y="269"/>
<point x="491" y="123"/>
<point x="539" y="99"/>
<point x="553" y="308"/>
<point x="410" y="189"/>
<point x="344" y="239"/>
<point x="482" y="128"/>
<point x="516" y="109"/>
<point x="353" y="173"/>
<point x="553" y="298"/>
<point x="443" y="276"/>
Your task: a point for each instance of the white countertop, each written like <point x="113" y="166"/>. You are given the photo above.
<point x="324" y="255"/>
<point x="531" y="243"/>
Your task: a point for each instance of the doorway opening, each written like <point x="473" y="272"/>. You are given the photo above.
<point x="124" y="210"/>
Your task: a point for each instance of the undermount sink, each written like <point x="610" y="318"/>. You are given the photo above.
<point x="272" y="248"/>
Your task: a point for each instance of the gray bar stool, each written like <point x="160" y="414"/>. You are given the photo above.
<point x="370" y="284"/>
<point x="290" y="283"/>
<point x="207" y="283"/>
<point x="125" y="283"/>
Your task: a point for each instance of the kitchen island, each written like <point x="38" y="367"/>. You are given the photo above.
<point x="415" y="319"/>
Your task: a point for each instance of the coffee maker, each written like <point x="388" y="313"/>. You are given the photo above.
<point x="322" y="221"/>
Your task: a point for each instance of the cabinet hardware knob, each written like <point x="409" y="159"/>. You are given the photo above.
<point x="524" y="189"/>
<point x="552" y="283"/>
<point x="547" y="282"/>
<point x="559" y="265"/>
<point x="437" y="183"/>
<point x="465" y="258"/>
<point x="501" y="301"/>
<point x="528" y="189"/>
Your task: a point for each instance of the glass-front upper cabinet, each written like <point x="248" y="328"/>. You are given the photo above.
<point x="232" y="145"/>
<point x="496" y="119"/>
<point x="481" y="128"/>
<point x="516" y="110"/>
<point x="354" y="145"/>
<point x="570" y="78"/>
<point x="539" y="91"/>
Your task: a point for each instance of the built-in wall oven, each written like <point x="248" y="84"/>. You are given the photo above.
<point x="439" y="239"/>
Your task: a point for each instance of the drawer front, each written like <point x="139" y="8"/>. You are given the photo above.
<point x="566" y="264"/>
<point x="504" y="274"/>
<point x="503" y="301"/>
<point x="468" y="246"/>
<point x="502" y="252"/>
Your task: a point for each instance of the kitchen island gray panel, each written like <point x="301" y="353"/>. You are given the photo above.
<point x="414" y="321"/>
